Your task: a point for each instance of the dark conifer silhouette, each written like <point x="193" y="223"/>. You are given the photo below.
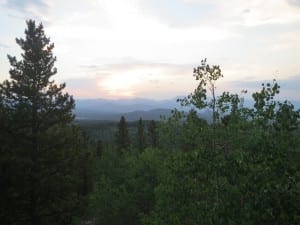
<point x="122" y="136"/>
<point x="99" y="148"/>
<point x="39" y="147"/>
<point x="140" y="135"/>
<point x="152" y="133"/>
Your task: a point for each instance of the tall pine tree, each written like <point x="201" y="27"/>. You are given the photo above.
<point x="122" y="136"/>
<point x="140" y="136"/>
<point x="153" y="134"/>
<point x="40" y="150"/>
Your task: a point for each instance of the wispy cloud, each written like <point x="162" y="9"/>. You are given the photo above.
<point x="97" y="43"/>
<point x="294" y="2"/>
<point x="290" y="86"/>
<point x="3" y="45"/>
<point x="26" y="6"/>
<point x="291" y="83"/>
<point x="180" y="14"/>
<point x="285" y="41"/>
<point x="251" y="13"/>
<point x="130" y="79"/>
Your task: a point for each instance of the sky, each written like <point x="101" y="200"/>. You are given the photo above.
<point x="148" y="48"/>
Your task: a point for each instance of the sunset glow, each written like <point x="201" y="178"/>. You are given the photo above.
<point x="128" y="48"/>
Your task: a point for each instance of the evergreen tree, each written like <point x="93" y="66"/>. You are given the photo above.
<point x="99" y="148"/>
<point x="193" y="132"/>
<point x="40" y="150"/>
<point x="122" y="136"/>
<point x="152" y="133"/>
<point x="140" y="136"/>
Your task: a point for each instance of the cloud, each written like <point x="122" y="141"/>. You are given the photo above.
<point x="99" y="40"/>
<point x="287" y="40"/>
<point x="178" y="14"/>
<point x="26" y="6"/>
<point x="266" y="12"/>
<point x="83" y="88"/>
<point x="291" y="83"/>
<point x="159" y="80"/>
<point x="251" y="13"/>
<point x="132" y="78"/>
<point x="246" y="11"/>
<point x="139" y="69"/>
<point x="27" y="9"/>
<point x="146" y="14"/>
<point x="294" y="2"/>
<point x="290" y="86"/>
<point x="3" y="45"/>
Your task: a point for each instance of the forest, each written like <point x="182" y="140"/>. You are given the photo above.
<point x="239" y="168"/>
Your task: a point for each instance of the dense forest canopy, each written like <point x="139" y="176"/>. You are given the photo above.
<point x="241" y="167"/>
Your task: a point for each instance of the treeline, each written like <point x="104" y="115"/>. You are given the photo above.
<point x="243" y="168"/>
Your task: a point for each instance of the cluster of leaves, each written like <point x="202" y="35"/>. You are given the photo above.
<point x="242" y="168"/>
<point x="125" y="186"/>
<point x="248" y="175"/>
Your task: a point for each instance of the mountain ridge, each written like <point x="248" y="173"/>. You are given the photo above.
<point x="134" y="109"/>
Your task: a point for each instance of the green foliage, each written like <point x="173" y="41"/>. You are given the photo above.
<point x="99" y="148"/>
<point x="243" y="168"/>
<point x="265" y="104"/>
<point x="153" y="134"/>
<point x="41" y="152"/>
<point x="170" y="131"/>
<point x="194" y="132"/>
<point x="240" y="171"/>
<point x="209" y="187"/>
<point x="140" y="136"/>
<point x="122" y="136"/>
<point x="207" y="76"/>
<point x="184" y="131"/>
<point x="125" y="186"/>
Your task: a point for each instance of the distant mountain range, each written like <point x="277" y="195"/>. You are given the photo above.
<point x="123" y="105"/>
<point x="134" y="109"/>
